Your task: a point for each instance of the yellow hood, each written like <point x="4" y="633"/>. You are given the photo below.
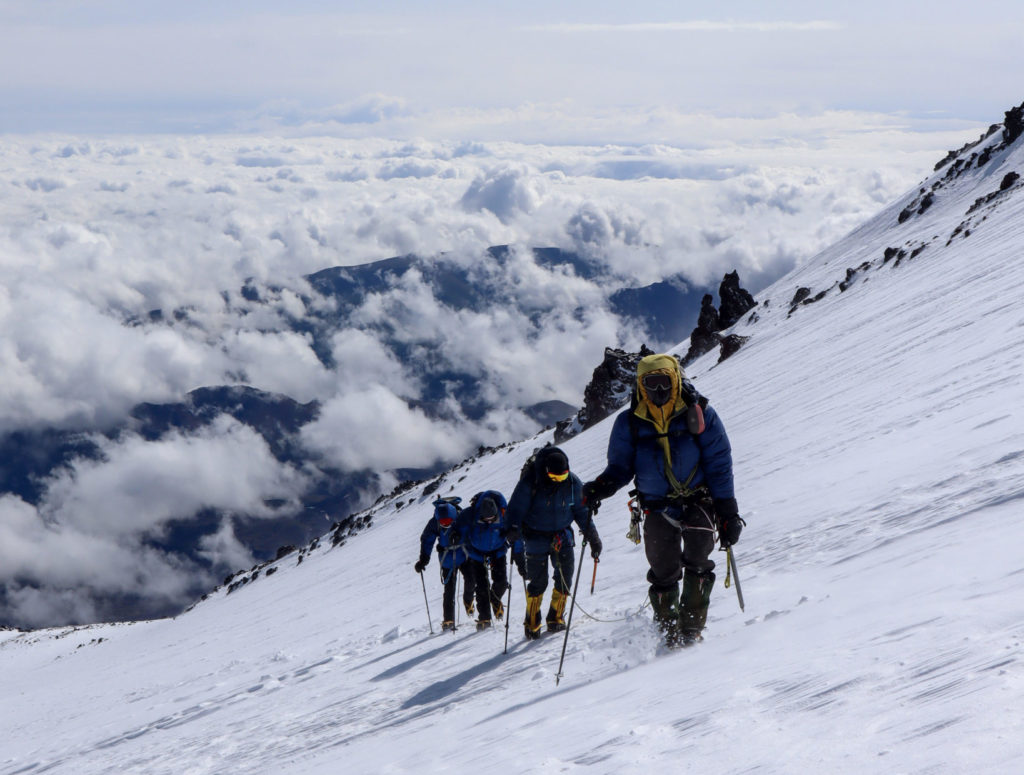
<point x="645" y="410"/>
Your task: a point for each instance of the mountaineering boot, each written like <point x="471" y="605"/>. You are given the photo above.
<point x="531" y="624"/>
<point x="555" y="611"/>
<point x="499" y="609"/>
<point x="483" y="624"/>
<point x="693" y="605"/>
<point x="665" y="603"/>
<point x="448" y="624"/>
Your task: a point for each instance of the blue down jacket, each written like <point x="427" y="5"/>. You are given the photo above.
<point x="451" y="548"/>
<point x="486" y="540"/>
<point x="708" y="456"/>
<point x="546" y="508"/>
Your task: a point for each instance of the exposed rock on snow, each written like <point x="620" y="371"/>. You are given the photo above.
<point x="608" y="390"/>
<point x="734" y="301"/>
<point x="704" y="337"/>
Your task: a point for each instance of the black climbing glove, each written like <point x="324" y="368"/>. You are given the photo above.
<point x="730" y="523"/>
<point x="421" y="563"/>
<point x="594" y="540"/>
<point x="596" y="491"/>
<point x="520" y="562"/>
<point x="513" y="535"/>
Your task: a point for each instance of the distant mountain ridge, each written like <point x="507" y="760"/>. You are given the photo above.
<point x="662" y="311"/>
<point x="32" y="460"/>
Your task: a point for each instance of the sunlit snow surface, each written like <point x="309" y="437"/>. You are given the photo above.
<point x="878" y="438"/>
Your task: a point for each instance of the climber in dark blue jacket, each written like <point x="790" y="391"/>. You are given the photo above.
<point x="544" y="504"/>
<point x="674" y="446"/>
<point x="442" y="528"/>
<point x="485" y="526"/>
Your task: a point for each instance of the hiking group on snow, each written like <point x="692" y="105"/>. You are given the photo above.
<point x="672" y="445"/>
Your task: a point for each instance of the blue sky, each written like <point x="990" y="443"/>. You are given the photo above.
<point x="202" y="66"/>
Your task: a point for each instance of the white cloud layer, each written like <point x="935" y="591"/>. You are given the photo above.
<point x="144" y="223"/>
<point x="98" y="232"/>
<point x="90" y="540"/>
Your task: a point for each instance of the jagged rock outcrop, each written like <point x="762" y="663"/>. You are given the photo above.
<point x="608" y="390"/>
<point x="1013" y="126"/>
<point x="735" y="302"/>
<point x="704" y="337"/>
<point x="959" y="162"/>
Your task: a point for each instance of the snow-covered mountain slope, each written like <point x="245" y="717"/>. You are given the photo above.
<point x="878" y="438"/>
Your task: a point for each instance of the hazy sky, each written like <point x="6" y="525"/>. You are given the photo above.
<point x="153" y="65"/>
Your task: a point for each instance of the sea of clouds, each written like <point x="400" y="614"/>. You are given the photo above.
<point x="98" y="232"/>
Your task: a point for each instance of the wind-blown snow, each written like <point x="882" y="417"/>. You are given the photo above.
<point x="879" y="450"/>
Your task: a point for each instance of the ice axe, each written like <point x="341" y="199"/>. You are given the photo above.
<point x="732" y="573"/>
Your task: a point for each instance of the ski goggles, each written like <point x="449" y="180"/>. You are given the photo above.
<point x="657" y="382"/>
<point x="558" y="477"/>
<point x="658" y="388"/>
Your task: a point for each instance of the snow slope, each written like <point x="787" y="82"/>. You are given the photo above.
<point x="878" y="437"/>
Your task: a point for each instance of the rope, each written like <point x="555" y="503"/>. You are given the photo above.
<point x="626" y="618"/>
<point x="647" y="600"/>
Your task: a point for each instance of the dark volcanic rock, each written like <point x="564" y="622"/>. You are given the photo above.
<point x="1013" y="126"/>
<point x="731" y="345"/>
<point x="735" y="302"/>
<point x="798" y="297"/>
<point x="608" y="390"/>
<point x="704" y="338"/>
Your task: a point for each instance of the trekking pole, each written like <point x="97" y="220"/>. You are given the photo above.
<point x="593" y="579"/>
<point x="568" y="623"/>
<point x="734" y="573"/>
<point x="508" y="616"/>
<point x="429" y="622"/>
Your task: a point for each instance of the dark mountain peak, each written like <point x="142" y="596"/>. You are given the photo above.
<point x="273" y="415"/>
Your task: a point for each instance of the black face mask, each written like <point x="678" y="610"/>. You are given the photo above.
<point x="488" y="511"/>
<point x="658" y="388"/>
